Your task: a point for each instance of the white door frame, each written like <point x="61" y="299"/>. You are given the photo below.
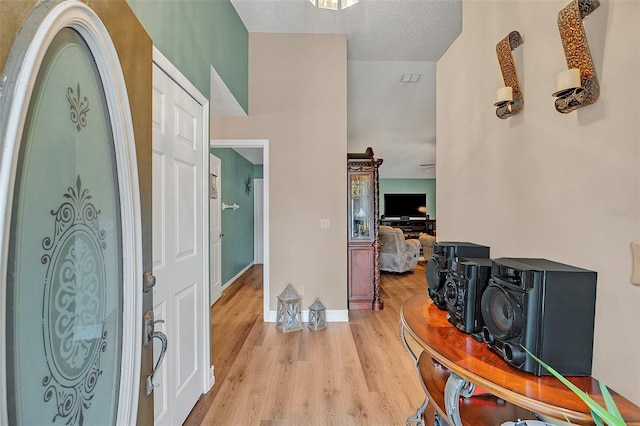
<point x="163" y="63"/>
<point x="258" y="232"/>
<point x="264" y="144"/>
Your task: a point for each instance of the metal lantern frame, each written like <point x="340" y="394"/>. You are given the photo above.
<point x="317" y="316"/>
<point x="289" y="312"/>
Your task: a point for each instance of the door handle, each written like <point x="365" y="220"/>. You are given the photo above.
<point x="221" y="235"/>
<point x="149" y="335"/>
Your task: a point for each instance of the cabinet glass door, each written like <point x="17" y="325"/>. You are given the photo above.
<point x="360" y="209"/>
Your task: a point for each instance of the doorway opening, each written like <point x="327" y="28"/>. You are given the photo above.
<point x="263" y="146"/>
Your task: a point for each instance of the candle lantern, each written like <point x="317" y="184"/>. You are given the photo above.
<point x="288" y="316"/>
<point x="317" y="316"/>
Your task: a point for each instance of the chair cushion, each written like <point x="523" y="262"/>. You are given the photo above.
<point x="427" y="242"/>
<point x="397" y="254"/>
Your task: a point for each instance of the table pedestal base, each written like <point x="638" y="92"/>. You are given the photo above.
<point x="418" y="418"/>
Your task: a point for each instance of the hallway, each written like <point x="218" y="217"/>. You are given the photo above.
<point x="352" y="373"/>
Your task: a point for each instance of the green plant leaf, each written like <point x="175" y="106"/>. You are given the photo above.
<point x="608" y="399"/>
<point x="597" y="411"/>
<point x="596" y="419"/>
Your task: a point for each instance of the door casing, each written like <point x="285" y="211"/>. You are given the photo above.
<point x="268" y="316"/>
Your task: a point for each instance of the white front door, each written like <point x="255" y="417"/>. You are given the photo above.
<point x="215" y="225"/>
<point x="179" y="233"/>
<point x="70" y="293"/>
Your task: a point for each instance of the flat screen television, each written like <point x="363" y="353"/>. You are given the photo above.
<point x="405" y="205"/>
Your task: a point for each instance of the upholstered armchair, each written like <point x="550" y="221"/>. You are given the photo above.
<point x="397" y="254"/>
<point x="427" y="242"/>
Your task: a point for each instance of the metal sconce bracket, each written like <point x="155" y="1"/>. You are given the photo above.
<point x="233" y="206"/>
<point x="578" y="55"/>
<point x="509" y="74"/>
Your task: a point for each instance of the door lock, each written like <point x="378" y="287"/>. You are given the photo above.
<point x="148" y="281"/>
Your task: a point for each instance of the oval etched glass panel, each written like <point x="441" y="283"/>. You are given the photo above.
<point x="64" y="282"/>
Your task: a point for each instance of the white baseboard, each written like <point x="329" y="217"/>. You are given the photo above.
<point x="236" y="276"/>
<point x="332" y="316"/>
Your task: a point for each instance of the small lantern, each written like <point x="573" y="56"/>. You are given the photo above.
<point x="288" y="316"/>
<point x="317" y="316"/>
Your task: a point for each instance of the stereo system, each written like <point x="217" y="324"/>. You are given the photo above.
<point x="544" y="306"/>
<point x="444" y="252"/>
<point x="463" y="290"/>
<point x="515" y="303"/>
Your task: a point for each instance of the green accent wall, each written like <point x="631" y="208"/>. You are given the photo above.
<point x="258" y="171"/>
<point x="237" y="225"/>
<point x="410" y="186"/>
<point x="195" y="34"/>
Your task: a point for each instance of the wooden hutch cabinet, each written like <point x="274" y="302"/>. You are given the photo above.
<point x="363" y="242"/>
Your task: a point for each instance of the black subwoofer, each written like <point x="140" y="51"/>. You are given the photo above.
<point x="544" y="306"/>
<point x="440" y="263"/>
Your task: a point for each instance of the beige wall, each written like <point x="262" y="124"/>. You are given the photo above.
<point x="298" y="101"/>
<point x="544" y="184"/>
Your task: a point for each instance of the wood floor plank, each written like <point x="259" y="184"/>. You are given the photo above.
<point x="355" y="373"/>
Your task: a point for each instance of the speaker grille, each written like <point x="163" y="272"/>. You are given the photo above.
<point x="502" y="314"/>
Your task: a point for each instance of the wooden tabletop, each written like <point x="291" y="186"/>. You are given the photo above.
<point x="476" y="363"/>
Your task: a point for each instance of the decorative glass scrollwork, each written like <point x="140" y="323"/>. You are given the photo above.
<point x="74" y="305"/>
<point x="504" y="48"/>
<point x="79" y="107"/>
<point x="578" y="56"/>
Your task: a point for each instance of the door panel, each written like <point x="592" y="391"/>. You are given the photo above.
<point x="72" y="256"/>
<point x="178" y="264"/>
<point x="186" y="361"/>
<point x="185" y="188"/>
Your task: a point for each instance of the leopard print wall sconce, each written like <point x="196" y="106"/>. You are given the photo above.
<point x="509" y="99"/>
<point x="578" y="86"/>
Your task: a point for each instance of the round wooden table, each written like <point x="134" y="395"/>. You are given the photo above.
<point x="453" y="366"/>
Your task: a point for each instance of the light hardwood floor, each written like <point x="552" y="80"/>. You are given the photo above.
<point x="355" y="373"/>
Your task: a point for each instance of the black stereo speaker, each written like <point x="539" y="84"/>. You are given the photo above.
<point x="440" y="263"/>
<point x="544" y="306"/>
<point x="463" y="290"/>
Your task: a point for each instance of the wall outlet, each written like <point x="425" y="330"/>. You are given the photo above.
<point x="325" y="223"/>
<point x="301" y="290"/>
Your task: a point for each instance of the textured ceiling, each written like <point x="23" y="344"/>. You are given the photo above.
<point x="385" y="40"/>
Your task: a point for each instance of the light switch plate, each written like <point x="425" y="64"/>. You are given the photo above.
<point x="635" y="275"/>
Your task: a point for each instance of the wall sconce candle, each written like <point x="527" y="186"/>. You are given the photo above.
<point x="569" y="79"/>
<point x="509" y="99"/>
<point x="504" y="94"/>
<point x="578" y="86"/>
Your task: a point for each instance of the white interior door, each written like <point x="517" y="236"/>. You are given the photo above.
<point x="258" y="221"/>
<point x="215" y="226"/>
<point x="178" y="246"/>
<point x="70" y="293"/>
